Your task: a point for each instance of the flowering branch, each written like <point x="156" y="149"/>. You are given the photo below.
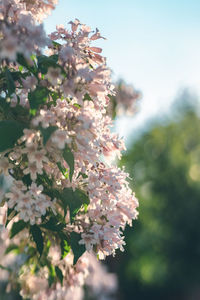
<point x="66" y="198"/>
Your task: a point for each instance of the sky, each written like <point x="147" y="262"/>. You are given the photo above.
<point x="154" y="45"/>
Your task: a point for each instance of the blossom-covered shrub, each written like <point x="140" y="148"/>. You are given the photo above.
<point x="67" y="199"/>
<point x="124" y="101"/>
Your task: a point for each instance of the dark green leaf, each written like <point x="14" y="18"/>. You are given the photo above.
<point x="87" y="97"/>
<point x="16" y="75"/>
<point x="82" y="195"/>
<point x="31" y="251"/>
<point x="54" y="96"/>
<point x="74" y="200"/>
<point x="10" y="210"/>
<point x="82" y="174"/>
<point x="44" y="180"/>
<point x="44" y="62"/>
<point x="53" y="225"/>
<point x="10" y="82"/>
<point x="47" y="132"/>
<point x="37" y="237"/>
<point x="10" y="132"/>
<point x="23" y="62"/>
<point x="37" y="97"/>
<point x="27" y="179"/>
<point x="17" y="227"/>
<point x="69" y="158"/>
<point x="4" y="105"/>
<point x="19" y="112"/>
<point x="77" y="249"/>
<point x="59" y="274"/>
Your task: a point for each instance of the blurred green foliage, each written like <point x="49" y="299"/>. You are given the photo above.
<point x="162" y="255"/>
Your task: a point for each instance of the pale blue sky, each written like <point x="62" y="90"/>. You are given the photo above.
<point x="155" y="45"/>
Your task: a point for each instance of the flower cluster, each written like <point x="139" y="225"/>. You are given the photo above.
<point x="67" y="197"/>
<point x="19" y="33"/>
<point x="30" y="203"/>
<point x="125" y="100"/>
<point x="88" y="271"/>
<point x="39" y="8"/>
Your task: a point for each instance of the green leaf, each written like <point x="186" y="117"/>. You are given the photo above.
<point x="4" y="106"/>
<point x="38" y="238"/>
<point x="87" y="97"/>
<point x="11" y="213"/>
<point x="17" y="227"/>
<point x="47" y="132"/>
<point x="82" y="174"/>
<point x="47" y="245"/>
<point x="10" y="132"/>
<point x="10" y="82"/>
<point x="19" y="112"/>
<point x="44" y="180"/>
<point x="5" y="268"/>
<point x="55" y="44"/>
<point x="53" y="225"/>
<point x="64" y="246"/>
<point x="79" y="194"/>
<point x="54" y="96"/>
<point x="69" y="158"/>
<point x="32" y="112"/>
<point x="77" y="249"/>
<point x="37" y="97"/>
<point x="77" y="105"/>
<point x="59" y="274"/>
<point x="63" y="170"/>
<point x="52" y="274"/>
<point x="27" y="179"/>
<point x="11" y="248"/>
<point x="74" y="200"/>
<point x="44" y="62"/>
<point x="16" y="75"/>
<point x="23" y="62"/>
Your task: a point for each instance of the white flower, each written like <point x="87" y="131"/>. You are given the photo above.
<point x="88" y="240"/>
<point x="60" y="138"/>
<point x="5" y="165"/>
<point x="9" y="48"/>
<point x="33" y="170"/>
<point x="54" y="75"/>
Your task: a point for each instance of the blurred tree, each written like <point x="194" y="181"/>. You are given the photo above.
<point x="162" y="256"/>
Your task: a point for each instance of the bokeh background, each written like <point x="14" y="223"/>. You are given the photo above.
<point x="162" y="255"/>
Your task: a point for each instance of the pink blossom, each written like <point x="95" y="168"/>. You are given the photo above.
<point x="5" y="165"/>
<point x="54" y="75"/>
